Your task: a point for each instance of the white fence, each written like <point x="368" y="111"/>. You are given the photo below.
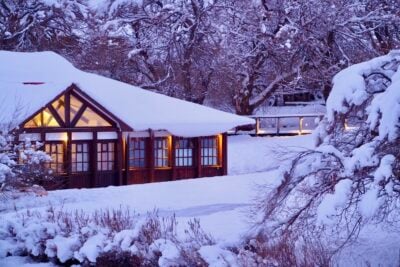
<point x="284" y="124"/>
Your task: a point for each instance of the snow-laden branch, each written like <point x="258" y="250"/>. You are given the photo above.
<point x="266" y="92"/>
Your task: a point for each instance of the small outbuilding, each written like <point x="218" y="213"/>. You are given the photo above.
<point x="102" y="132"/>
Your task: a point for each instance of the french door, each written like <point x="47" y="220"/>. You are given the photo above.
<point x="106" y="169"/>
<point x="81" y="164"/>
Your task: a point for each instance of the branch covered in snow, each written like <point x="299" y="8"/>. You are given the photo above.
<point x="353" y="175"/>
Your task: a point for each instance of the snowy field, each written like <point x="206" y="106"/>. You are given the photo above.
<point x="221" y="203"/>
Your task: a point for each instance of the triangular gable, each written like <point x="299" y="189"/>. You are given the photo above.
<point x="70" y="110"/>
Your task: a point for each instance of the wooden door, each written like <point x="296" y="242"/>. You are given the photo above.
<point x="106" y="167"/>
<point x="81" y="164"/>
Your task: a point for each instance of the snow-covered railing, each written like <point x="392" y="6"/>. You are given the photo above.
<point x="286" y="123"/>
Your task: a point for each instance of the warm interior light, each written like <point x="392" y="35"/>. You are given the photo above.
<point x="219" y="136"/>
<point x="64" y="137"/>
<point x="169" y="138"/>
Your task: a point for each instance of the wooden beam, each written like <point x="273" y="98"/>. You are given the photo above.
<point x="172" y="158"/>
<point x="69" y="155"/>
<point x="78" y="115"/>
<point x="94" y="160"/>
<point x="126" y="157"/>
<point x="150" y="155"/>
<point x="198" y="156"/>
<point x="119" y="157"/>
<point x="225" y="154"/>
<point x="56" y="116"/>
<point x="80" y="129"/>
<point x="68" y="109"/>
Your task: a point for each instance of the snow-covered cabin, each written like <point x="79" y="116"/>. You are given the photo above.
<point x="101" y="132"/>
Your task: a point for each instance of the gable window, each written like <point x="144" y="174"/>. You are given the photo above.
<point x="43" y="119"/>
<point x="90" y="118"/>
<point x="75" y="106"/>
<point x="161" y="152"/>
<point x="56" y="152"/>
<point x="209" y="151"/>
<point x="105" y="156"/>
<point x="137" y="153"/>
<point x="184" y="152"/>
<point x="59" y="107"/>
<point x="80" y="157"/>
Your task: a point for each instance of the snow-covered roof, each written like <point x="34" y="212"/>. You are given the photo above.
<point x="28" y="81"/>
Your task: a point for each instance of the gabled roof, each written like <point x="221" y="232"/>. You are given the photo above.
<point x="29" y="81"/>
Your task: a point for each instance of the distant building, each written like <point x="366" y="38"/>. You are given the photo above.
<point x="296" y="96"/>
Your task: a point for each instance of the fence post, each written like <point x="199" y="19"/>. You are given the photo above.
<point x="257" y="126"/>
<point x="300" y="125"/>
<point x="277" y="125"/>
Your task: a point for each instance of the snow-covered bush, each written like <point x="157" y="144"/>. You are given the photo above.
<point x="22" y="165"/>
<point x="352" y="177"/>
<point x="107" y="237"/>
<point x="284" y="251"/>
<point x="120" y="237"/>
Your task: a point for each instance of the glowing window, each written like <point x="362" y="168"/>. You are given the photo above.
<point x="75" y="106"/>
<point x="49" y="120"/>
<point x="35" y="122"/>
<point x="59" y="106"/>
<point x="43" y="119"/>
<point x="90" y="118"/>
<point x="56" y="151"/>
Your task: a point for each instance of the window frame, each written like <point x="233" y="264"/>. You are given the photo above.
<point x="56" y="163"/>
<point x="101" y="151"/>
<point x="132" y="148"/>
<point x="214" y="147"/>
<point x="75" y="161"/>
<point x="181" y="154"/>
<point x="166" y="152"/>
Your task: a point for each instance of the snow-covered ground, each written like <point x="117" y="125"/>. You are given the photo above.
<point x="217" y="201"/>
<point x="221" y="203"/>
